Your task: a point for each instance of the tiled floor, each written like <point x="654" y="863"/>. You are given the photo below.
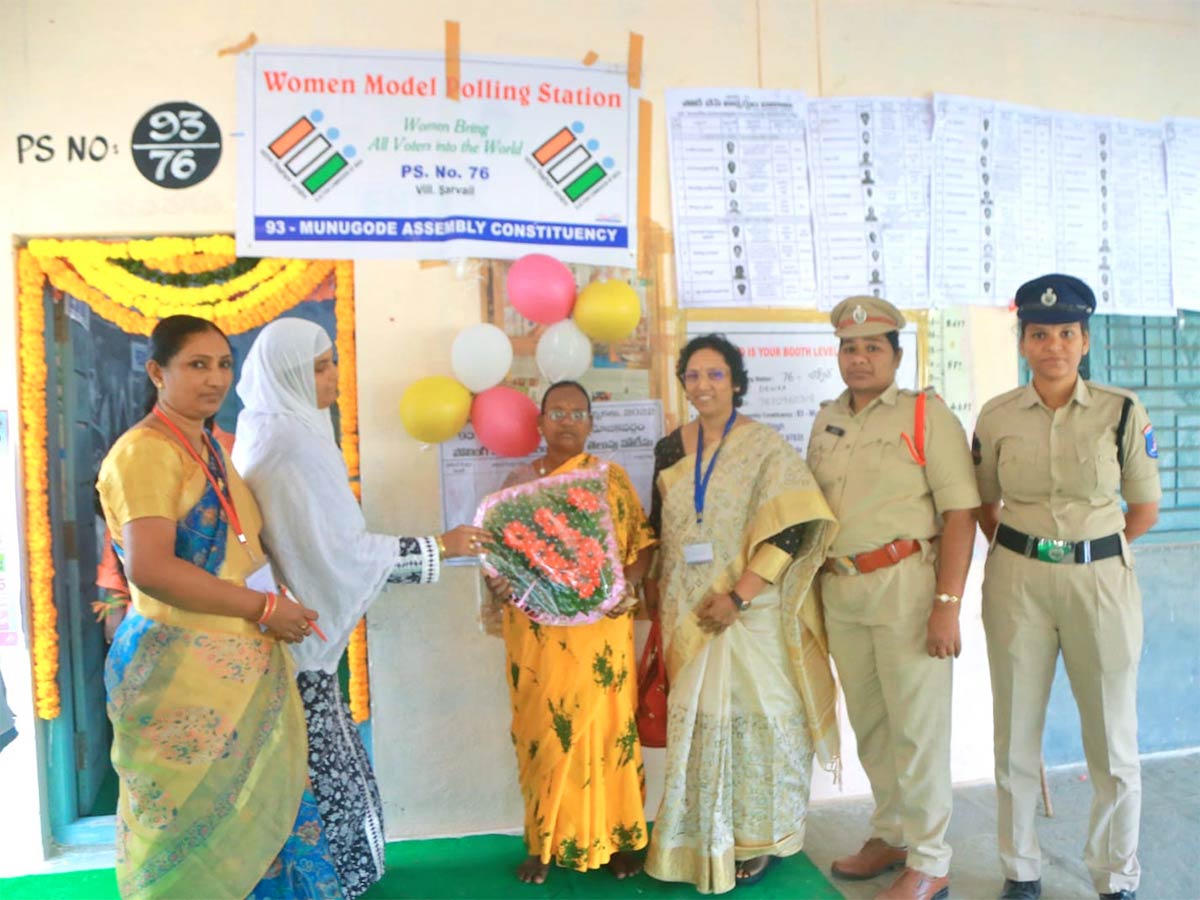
<point x="1169" y="850"/>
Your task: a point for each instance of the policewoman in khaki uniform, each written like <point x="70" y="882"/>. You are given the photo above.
<point x="1054" y="460"/>
<point x="896" y="470"/>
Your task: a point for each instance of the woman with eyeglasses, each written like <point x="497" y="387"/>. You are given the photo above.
<point x="743" y="530"/>
<point x="573" y="688"/>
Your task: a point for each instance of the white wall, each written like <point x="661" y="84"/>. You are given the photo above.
<point x="441" y="734"/>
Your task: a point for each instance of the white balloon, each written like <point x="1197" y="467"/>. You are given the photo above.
<point x="563" y="351"/>
<point x="481" y="357"/>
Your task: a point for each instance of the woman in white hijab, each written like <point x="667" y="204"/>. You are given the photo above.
<point x="320" y="548"/>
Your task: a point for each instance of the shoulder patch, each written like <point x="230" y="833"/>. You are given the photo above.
<point x="976" y="450"/>
<point x="1151" y="444"/>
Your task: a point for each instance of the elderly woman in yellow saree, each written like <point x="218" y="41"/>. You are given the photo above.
<point x="743" y="530"/>
<point x="573" y="687"/>
<point x="208" y="728"/>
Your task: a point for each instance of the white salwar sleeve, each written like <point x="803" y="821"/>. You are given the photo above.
<point x="418" y="561"/>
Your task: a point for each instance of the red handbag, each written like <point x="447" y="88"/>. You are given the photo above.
<point x="652" y="690"/>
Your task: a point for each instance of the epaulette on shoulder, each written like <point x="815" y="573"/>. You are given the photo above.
<point x="1002" y="399"/>
<point x="1112" y="389"/>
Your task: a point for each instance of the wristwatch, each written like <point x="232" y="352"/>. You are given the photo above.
<point x="947" y="598"/>
<point x="741" y="604"/>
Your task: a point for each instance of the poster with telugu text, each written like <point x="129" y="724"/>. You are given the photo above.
<point x="793" y="369"/>
<point x="361" y="154"/>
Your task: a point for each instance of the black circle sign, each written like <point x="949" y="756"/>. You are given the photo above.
<point x="176" y="145"/>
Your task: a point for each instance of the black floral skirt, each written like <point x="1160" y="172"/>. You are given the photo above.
<point x="344" y="785"/>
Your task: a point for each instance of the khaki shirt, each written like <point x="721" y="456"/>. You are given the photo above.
<point x="876" y="489"/>
<point x="1056" y="470"/>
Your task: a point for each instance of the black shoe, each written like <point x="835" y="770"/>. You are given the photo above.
<point x="1120" y="895"/>
<point x="1021" y="890"/>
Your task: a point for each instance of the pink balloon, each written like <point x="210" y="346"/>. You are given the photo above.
<point x="505" y="421"/>
<point x="541" y="288"/>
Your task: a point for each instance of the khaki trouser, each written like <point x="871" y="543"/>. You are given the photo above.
<point x="898" y="700"/>
<point x="1092" y="612"/>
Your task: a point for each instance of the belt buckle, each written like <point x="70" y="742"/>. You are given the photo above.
<point x="1054" y="551"/>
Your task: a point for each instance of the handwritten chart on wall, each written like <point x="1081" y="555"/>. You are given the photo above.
<point x="945" y="364"/>
<point x="793" y="368"/>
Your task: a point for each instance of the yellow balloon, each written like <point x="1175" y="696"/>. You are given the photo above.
<point x="607" y="310"/>
<point x="435" y="409"/>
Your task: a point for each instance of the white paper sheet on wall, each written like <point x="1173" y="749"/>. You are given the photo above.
<point x="1111" y="226"/>
<point x="869" y="164"/>
<point x="1181" y="139"/>
<point x="991" y="199"/>
<point x="741" y="207"/>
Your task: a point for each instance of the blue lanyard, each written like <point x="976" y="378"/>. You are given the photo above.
<point x="700" y="485"/>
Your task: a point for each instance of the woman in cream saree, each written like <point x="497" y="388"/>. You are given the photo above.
<point x="751" y="697"/>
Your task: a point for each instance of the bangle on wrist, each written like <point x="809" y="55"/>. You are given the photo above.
<point x="441" y="545"/>
<point x="268" y="607"/>
<point x="738" y="601"/>
<point x="947" y="598"/>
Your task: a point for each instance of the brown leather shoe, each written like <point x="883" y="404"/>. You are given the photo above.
<point x="914" y="885"/>
<point x="876" y="857"/>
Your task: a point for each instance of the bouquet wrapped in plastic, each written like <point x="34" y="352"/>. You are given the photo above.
<point x="554" y="542"/>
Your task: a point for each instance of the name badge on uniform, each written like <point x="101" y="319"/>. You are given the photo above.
<point x="698" y="553"/>
<point x="833" y="429"/>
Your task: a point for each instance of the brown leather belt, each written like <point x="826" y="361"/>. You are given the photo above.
<point x="862" y="563"/>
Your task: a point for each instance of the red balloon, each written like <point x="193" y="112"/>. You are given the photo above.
<point x="505" y="421"/>
<point x="541" y="288"/>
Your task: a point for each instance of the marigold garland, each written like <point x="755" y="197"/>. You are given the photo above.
<point x="356" y="652"/>
<point x="360" y="683"/>
<point x="35" y="472"/>
<point x="85" y="270"/>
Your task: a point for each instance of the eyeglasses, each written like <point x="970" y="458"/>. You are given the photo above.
<point x="575" y="415"/>
<point x="716" y="376"/>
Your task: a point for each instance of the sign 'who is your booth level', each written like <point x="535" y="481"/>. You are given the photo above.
<point x="354" y="154"/>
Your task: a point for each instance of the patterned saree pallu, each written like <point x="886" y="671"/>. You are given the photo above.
<point x="554" y="543"/>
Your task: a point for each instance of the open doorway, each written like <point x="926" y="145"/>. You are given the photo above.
<point x="96" y="388"/>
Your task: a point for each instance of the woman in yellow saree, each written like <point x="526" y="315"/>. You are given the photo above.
<point x="573" y="688"/>
<point x="744" y="528"/>
<point x="208" y="729"/>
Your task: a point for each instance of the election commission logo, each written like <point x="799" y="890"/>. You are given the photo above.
<point x="308" y="156"/>
<point x="569" y="165"/>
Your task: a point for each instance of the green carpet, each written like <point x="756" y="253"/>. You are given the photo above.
<point x="477" y="868"/>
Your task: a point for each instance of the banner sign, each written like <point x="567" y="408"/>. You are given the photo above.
<point x="360" y="154"/>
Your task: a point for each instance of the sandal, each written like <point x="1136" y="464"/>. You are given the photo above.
<point x="757" y="876"/>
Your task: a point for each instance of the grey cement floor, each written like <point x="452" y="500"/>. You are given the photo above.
<point x="1169" y="851"/>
